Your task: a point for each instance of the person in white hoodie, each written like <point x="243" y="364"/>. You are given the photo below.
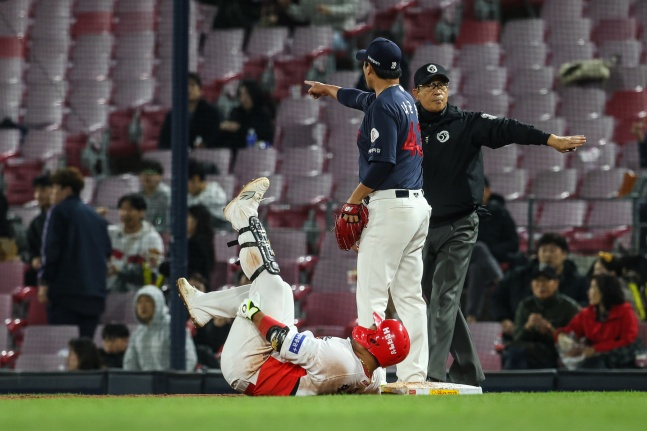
<point x="149" y="347"/>
<point x="137" y="248"/>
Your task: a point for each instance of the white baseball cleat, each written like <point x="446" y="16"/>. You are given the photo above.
<point x="188" y="294"/>
<point x="245" y="205"/>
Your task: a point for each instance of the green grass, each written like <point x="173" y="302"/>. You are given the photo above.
<point x="497" y="412"/>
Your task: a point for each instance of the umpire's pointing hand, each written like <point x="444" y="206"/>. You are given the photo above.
<point x="564" y="144"/>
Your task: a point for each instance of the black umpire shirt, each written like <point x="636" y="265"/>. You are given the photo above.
<point x="452" y="160"/>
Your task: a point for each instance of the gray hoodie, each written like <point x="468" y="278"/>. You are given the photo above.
<point x="149" y="348"/>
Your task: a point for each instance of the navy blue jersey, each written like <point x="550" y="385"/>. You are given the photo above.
<point x="390" y="132"/>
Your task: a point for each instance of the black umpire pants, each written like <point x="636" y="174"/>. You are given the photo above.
<point x="446" y="257"/>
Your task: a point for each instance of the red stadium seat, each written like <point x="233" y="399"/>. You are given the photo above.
<point x="627" y="105"/>
<point x="478" y="32"/>
<point x="92" y="23"/>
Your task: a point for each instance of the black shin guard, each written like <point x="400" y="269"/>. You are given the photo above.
<point x="263" y="244"/>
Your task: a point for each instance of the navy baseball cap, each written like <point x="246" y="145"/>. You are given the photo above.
<point x="545" y="270"/>
<point x="428" y="72"/>
<point x="382" y="54"/>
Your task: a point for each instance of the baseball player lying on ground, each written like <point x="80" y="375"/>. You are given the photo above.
<point x="264" y="353"/>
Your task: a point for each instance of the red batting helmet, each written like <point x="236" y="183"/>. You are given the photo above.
<point x="388" y="342"/>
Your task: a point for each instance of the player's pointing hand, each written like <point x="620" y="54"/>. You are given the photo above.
<point x="318" y="89"/>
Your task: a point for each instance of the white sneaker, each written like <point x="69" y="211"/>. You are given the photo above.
<point x="245" y="205"/>
<point x="188" y="294"/>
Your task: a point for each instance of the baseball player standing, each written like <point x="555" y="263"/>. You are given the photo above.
<point x="453" y="184"/>
<point x="264" y="353"/>
<point x="390" y="181"/>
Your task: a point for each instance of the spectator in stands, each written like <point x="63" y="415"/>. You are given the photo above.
<point x="137" y="248"/>
<point x="203" y="119"/>
<point x="607" y="263"/>
<point x="552" y="249"/>
<point x="206" y="193"/>
<point x="536" y="318"/>
<point x="156" y="193"/>
<point x="149" y="347"/>
<point x="339" y="14"/>
<point x="7" y="231"/>
<point x="43" y="194"/>
<point x="201" y="255"/>
<point x="236" y="14"/>
<point x="210" y="338"/>
<point x="114" y="342"/>
<point x="278" y="15"/>
<point x="254" y="112"/>
<point x="497" y="243"/>
<point x="76" y="249"/>
<point x="608" y="327"/>
<point x="638" y="129"/>
<point x="83" y="355"/>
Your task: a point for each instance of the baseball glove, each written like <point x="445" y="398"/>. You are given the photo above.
<point x="347" y="233"/>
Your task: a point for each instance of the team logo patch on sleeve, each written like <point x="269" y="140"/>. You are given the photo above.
<point x="374" y="134"/>
<point x="295" y="345"/>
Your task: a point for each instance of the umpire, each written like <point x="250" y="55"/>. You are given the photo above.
<point x="453" y="185"/>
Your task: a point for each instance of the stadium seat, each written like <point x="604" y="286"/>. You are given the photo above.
<point x="540" y="158"/>
<point x="309" y="190"/>
<point x="297" y="111"/>
<point x="133" y="93"/>
<point x="559" y="9"/>
<point x="504" y="159"/>
<point x="607" y="183"/>
<point x="110" y="189"/>
<point x="310" y="42"/>
<point x="602" y="9"/>
<point x="627" y="105"/>
<point x="5" y="313"/>
<point x="608" y="220"/>
<point x="94" y="6"/>
<point x="478" y="32"/>
<point x="302" y="161"/>
<point x="223" y="54"/>
<point x="549" y="184"/>
<point x="11" y="100"/>
<point x="493" y="104"/>
<point x="417" y="25"/>
<point x="291" y="248"/>
<point x="489" y="81"/>
<point x="96" y="67"/>
<point x="4" y="340"/>
<point x="301" y="135"/>
<point x="9" y="143"/>
<point x="15" y="17"/>
<point x="511" y="185"/>
<point x="485" y="336"/>
<point x="525" y="57"/>
<point x="336" y="271"/>
<point x="92" y="23"/>
<point x="344" y="186"/>
<point x="119" y="308"/>
<point x="48" y="339"/>
<point x="532" y="81"/>
<point x="563" y="217"/>
<point x="221" y="157"/>
<point x="255" y="162"/>
<point x="11" y="69"/>
<point x="264" y="44"/>
<point x="133" y="22"/>
<point x="615" y="30"/>
<point x="475" y="58"/>
<point x="565" y="32"/>
<point x="534" y="107"/>
<point x="329" y="313"/>
<point x="442" y="54"/>
<point x="135" y="46"/>
<point x="523" y="32"/>
<point x="580" y="103"/>
<point x="41" y="362"/>
<point x="629" y="51"/>
<point x="598" y="130"/>
<point x="555" y="125"/>
<point x="562" y="53"/>
<point x="11" y="47"/>
<point x="627" y="78"/>
<point x="595" y="157"/>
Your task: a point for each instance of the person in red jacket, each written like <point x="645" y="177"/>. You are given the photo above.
<point x="608" y="327"/>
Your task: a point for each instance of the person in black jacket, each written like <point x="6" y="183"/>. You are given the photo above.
<point x="552" y="249"/>
<point x="497" y="243"/>
<point x="43" y="194"/>
<point x="203" y="120"/>
<point x="76" y="249"/>
<point x="201" y="256"/>
<point x="254" y="112"/>
<point x="453" y="185"/>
